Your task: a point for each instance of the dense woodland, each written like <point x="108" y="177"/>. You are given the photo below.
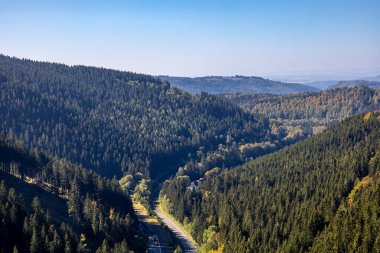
<point x="293" y="117"/>
<point x="320" y="195"/>
<point x="230" y="155"/>
<point x="334" y="104"/>
<point x="50" y="205"/>
<point x="309" y="113"/>
<point x="115" y="122"/>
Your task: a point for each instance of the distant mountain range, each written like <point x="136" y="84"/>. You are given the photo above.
<point x="233" y="84"/>
<point x="354" y="83"/>
<point x="376" y="78"/>
<point x="328" y="84"/>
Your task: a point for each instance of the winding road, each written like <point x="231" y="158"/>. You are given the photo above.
<point x="185" y="242"/>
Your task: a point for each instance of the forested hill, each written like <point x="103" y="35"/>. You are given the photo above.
<point x="233" y="84"/>
<point x="114" y="122"/>
<point x="321" y="195"/>
<point x="50" y="205"/>
<point x="334" y="104"/>
<point x="354" y="83"/>
<point x="309" y="113"/>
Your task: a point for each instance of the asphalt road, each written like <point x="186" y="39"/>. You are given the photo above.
<point x="186" y="244"/>
<point x="159" y="237"/>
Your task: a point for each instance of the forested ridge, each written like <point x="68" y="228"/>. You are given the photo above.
<point x="50" y="205"/>
<point x="319" y="195"/>
<point x="367" y="83"/>
<point x="228" y="84"/>
<point x="309" y="113"/>
<point x="333" y="104"/>
<point x="115" y="122"/>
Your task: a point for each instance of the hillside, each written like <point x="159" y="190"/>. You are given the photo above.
<point x="115" y="122"/>
<point x="334" y="104"/>
<point x="50" y="205"/>
<point x="354" y="83"/>
<point x="309" y="112"/>
<point x="233" y="84"/>
<point x="317" y="195"/>
<point x="355" y="225"/>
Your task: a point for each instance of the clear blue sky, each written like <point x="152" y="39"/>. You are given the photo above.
<point x="193" y="38"/>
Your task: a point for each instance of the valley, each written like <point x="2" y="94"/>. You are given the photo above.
<point x="288" y="199"/>
<point x="189" y="126"/>
<point x="115" y="161"/>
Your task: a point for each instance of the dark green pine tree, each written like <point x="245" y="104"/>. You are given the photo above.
<point x="74" y="202"/>
<point x="36" y="245"/>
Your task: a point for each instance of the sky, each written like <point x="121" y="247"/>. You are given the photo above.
<point x="270" y="38"/>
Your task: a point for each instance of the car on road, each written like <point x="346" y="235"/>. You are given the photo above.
<point x="155" y="240"/>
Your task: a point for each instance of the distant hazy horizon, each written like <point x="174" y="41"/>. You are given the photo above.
<point x="289" y="41"/>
